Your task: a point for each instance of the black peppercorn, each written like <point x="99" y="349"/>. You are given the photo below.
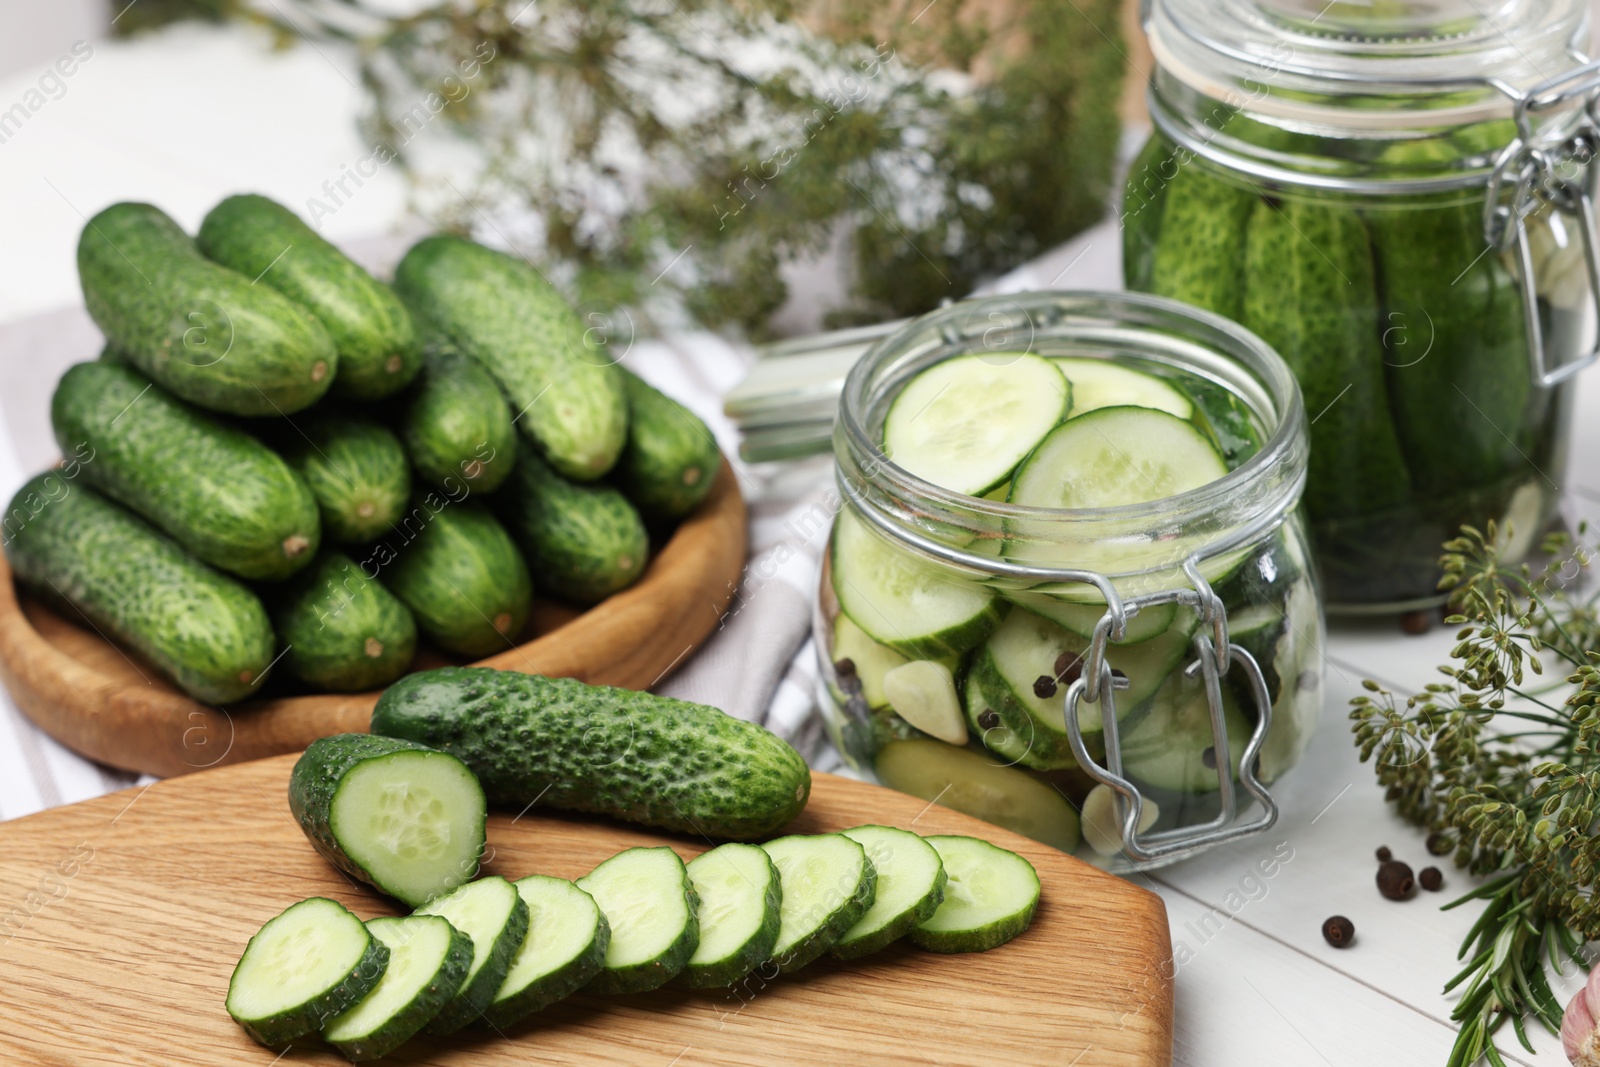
<point x="844" y="666"/>
<point x="1209" y="757"/>
<point x="1338" y="931"/>
<point x="850" y="683"/>
<point x="988" y="718"/>
<point x="1431" y="878"/>
<point x="1439" y="844"/>
<point x="1416" y="622"/>
<point x="1044" y="687"/>
<point x="1395" y="880"/>
<point x="1068" y="666"/>
<point x="1384" y="855"/>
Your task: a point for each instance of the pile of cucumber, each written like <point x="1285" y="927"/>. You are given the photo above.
<point x="951" y="685"/>
<point x="410" y="820"/>
<point x="279" y="462"/>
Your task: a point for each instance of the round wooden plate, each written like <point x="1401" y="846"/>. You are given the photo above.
<point x="90" y="695"/>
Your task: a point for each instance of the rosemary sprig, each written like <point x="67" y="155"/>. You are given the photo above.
<point x="1523" y="811"/>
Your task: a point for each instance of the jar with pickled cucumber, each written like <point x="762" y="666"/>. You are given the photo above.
<point x="1067" y="588"/>
<point x="1396" y="199"/>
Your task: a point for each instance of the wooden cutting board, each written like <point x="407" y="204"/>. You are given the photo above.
<point x="121" y="919"/>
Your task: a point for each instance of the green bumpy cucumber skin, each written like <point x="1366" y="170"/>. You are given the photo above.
<point x="407" y="1022"/>
<point x="670" y="460"/>
<point x="343" y="631"/>
<point x="216" y="490"/>
<point x="635" y="756"/>
<point x="469" y="1001"/>
<point x="1143" y="198"/>
<point x="1311" y="295"/>
<point x="371" y="330"/>
<point x="355" y="468"/>
<point x="456" y="425"/>
<point x="315" y="780"/>
<point x="584" y="542"/>
<point x="200" y="330"/>
<point x="497" y="310"/>
<point x="458" y="571"/>
<point x="1200" y="256"/>
<point x="205" y="631"/>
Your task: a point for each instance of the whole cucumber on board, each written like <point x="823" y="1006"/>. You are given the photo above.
<point x="219" y="492"/>
<point x="356" y="469"/>
<point x="635" y="756"/>
<point x="203" y="630"/>
<point x="456" y="424"/>
<point x="342" y="630"/>
<point x="584" y="542"/>
<point x="670" y="460"/>
<point x="262" y="239"/>
<point x="200" y="330"/>
<point x="499" y="311"/>
<point x="1200" y="257"/>
<point x="1310" y="294"/>
<point x="458" y="571"/>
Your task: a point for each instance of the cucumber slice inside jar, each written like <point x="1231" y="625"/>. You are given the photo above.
<point x="909" y="890"/>
<point x="427" y="960"/>
<point x="870" y="660"/>
<point x="740" y="897"/>
<point x="965" y="423"/>
<point x="903" y="602"/>
<point x="972" y="783"/>
<point x="828" y="884"/>
<point x="1172" y="747"/>
<point x="1116" y="456"/>
<point x="991" y="896"/>
<point x="1063" y="605"/>
<point x="1102" y="383"/>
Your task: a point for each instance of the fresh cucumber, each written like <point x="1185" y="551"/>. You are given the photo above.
<point x="584" y="542"/>
<point x="965" y="423"/>
<point x="636" y="756"/>
<point x="923" y="693"/>
<point x="828" y="884"/>
<point x="491" y="912"/>
<point x="903" y="602"/>
<point x="564" y="949"/>
<point x="216" y="490"/>
<point x="739" y="894"/>
<point x="261" y="239"/>
<point x="456" y="425"/>
<point x="1116" y="456"/>
<point x="498" y="310"/>
<point x="968" y="782"/>
<point x="428" y="958"/>
<point x="356" y="469"/>
<point x="302" y="968"/>
<point x="200" y="330"/>
<point x="342" y="631"/>
<point x="909" y="889"/>
<point x="204" y="630"/>
<point x="990" y="897"/>
<point x="1102" y="383"/>
<point x="866" y="659"/>
<point x="1172" y="747"/>
<point x="646" y="897"/>
<point x="458" y="571"/>
<point x="670" y="461"/>
<point x="403" y="818"/>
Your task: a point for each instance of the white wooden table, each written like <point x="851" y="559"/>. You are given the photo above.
<point x="186" y="119"/>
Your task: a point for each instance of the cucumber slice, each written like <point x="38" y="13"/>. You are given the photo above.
<point x="923" y="693"/>
<point x="910" y="889"/>
<point x="1066" y="610"/>
<point x="1102" y="830"/>
<point x="1009" y="744"/>
<point x="990" y="897"/>
<point x="427" y="960"/>
<point x="913" y="607"/>
<point x="491" y="912"/>
<point x="1228" y="419"/>
<point x="646" y="896"/>
<point x="870" y="659"/>
<point x="1101" y="383"/>
<point x="740" y="897"/>
<point x="828" y="885"/>
<point x="395" y="814"/>
<point x="1168" y="748"/>
<point x="1116" y="456"/>
<point x="966" y="422"/>
<point x="302" y="968"/>
<point x="565" y="947"/>
<point x="969" y="782"/>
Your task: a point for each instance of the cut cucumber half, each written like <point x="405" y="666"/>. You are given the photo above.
<point x="870" y="659"/>
<point x="909" y="890"/>
<point x="1101" y="383"/>
<point x="990" y="897"/>
<point x="646" y="896"/>
<point x="1081" y="617"/>
<point x="399" y="816"/>
<point x="1172" y="747"/>
<point x="1116" y="456"/>
<point x="427" y="960"/>
<point x="970" y="782"/>
<point x="303" y="967"/>
<point x="492" y="914"/>
<point x="740" y="898"/>
<point x="828" y="883"/>
<point x="564" y="949"/>
<point x="901" y="601"/>
<point x="923" y="693"/>
<point x="966" y="422"/>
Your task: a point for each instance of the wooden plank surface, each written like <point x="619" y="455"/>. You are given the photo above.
<point x="123" y="916"/>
